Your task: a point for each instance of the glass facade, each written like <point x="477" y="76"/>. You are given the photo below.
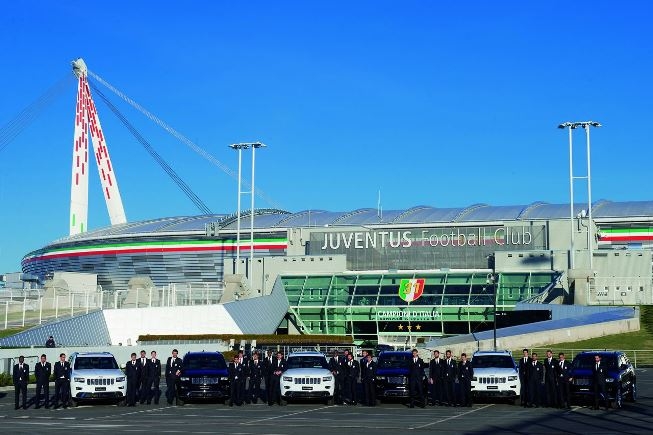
<point x="367" y="306"/>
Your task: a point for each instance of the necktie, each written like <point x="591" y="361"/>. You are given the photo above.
<point x="597" y="367"/>
<point x="560" y="364"/>
<point x="153" y="360"/>
<point x="133" y="363"/>
<point x="43" y="364"/>
<point x="415" y="360"/>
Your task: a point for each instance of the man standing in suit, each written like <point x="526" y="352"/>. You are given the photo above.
<point x="352" y="372"/>
<point x="524" y="364"/>
<point x="415" y="380"/>
<point x="368" y="379"/>
<point x="436" y="369"/>
<point x="61" y="381"/>
<point x="450" y="376"/>
<point x="563" y="369"/>
<point x="267" y="372"/>
<point x="599" y="372"/>
<point x="133" y="372"/>
<point x="256" y="372"/>
<point x="173" y="370"/>
<point x="336" y="368"/>
<point x="465" y="374"/>
<point x="21" y="378"/>
<point x="277" y="368"/>
<point x="237" y="375"/>
<point x="153" y="378"/>
<point x="551" y="380"/>
<point x="143" y="394"/>
<point x="535" y="381"/>
<point x="43" y="370"/>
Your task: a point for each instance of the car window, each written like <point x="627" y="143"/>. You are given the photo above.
<point x="495" y="361"/>
<point x="95" y="362"/>
<point x="586" y="361"/>
<point x="393" y="361"/>
<point x="306" y="362"/>
<point x="204" y="362"/>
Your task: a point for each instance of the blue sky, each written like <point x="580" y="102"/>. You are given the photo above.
<point x="439" y="103"/>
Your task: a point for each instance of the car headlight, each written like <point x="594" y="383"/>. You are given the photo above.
<point x="79" y="379"/>
<point x="474" y="378"/>
<point x="609" y="380"/>
<point x="287" y="378"/>
<point x="512" y="378"/>
<point x="120" y="379"/>
<point x="184" y="379"/>
<point x="327" y="378"/>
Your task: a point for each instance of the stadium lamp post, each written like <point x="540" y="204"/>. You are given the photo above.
<point x="492" y="280"/>
<point x="586" y="126"/>
<point x="240" y="147"/>
<point x="255" y="146"/>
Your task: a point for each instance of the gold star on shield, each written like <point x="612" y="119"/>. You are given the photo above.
<point x="418" y="327"/>
<point x="410" y="327"/>
<point x="401" y="327"/>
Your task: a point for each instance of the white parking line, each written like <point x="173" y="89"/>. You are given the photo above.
<point x="452" y="417"/>
<point x="286" y="415"/>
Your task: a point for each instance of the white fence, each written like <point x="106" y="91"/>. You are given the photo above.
<point x="19" y="309"/>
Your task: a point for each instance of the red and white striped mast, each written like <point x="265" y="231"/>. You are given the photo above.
<point x="87" y="123"/>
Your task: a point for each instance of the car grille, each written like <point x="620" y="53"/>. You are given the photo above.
<point x="582" y="381"/>
<point x="308" y="381"/>
<point x="98" y="381"/>
<point x="491" y="380"/>
<point x="396" y="379"/>
<point x="205" y="381"/>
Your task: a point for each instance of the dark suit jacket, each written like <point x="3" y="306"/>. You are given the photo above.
<point x="256" y="370"/>
<point x="278" y="365"/>
<point x="237" y="373"/>
<point x="598" y="376"/>
<point x="143" y="372"/>
<point x="368" y="371"/>
<point x="564" y="372"/>
<point x="450" y="372"/>
<point x="416" y="369"/>
<point x="153" y="369"/>
<point x="524" y="367"/>
<point x="353" y="370"/>
<point x="21" y="375"/>
<point x="43" y="373"/>
<point x="62" y="370"/>
<point x="436" y="369"/>
<point x="535" y="373"/>
<point x="133" y="371"/>
<point x="550" y="371"/>
<point x="172" y="365"/>
<point x="465" y="371"/>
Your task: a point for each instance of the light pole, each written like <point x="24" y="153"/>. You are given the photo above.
<point x="240" y="147"/>
<point x="572" y="126"/>
<point x="254" y="146"/>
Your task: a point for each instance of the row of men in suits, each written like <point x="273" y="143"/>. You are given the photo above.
<point x="256" y="369"/>
<point x="42" y="371"/>
<point x="544" y="383"/>
<point x="347" y="371"/>
<point x="450" y="381"/>
<point x="143" y="378"/>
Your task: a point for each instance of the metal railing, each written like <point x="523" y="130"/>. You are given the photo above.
<point x="35" y="307"/>
<point x="639" y="358"/>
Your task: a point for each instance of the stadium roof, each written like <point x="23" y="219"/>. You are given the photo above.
<point x="273" y="218"/>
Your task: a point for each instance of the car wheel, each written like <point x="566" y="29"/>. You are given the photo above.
<point x="618" y="398"/>
<point x="632" y="396"/>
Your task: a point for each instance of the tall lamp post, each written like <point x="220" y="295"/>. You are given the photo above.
<point x="240" y="147"/>
<point x="586" y="126"/>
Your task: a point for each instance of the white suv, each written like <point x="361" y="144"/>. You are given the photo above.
<point x="495" y="375"/>
<point x="307" y="376"/>
<point x="96" y="375"/>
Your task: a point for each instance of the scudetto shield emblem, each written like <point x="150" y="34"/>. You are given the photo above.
<point x="411" y="289"/>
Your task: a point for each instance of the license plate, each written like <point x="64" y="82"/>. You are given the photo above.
<point x="307" y="388"/>
<point x="492" y="387"/>
<point x="100" y="388"/>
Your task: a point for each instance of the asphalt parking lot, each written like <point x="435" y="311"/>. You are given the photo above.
<point x="300" y="418"/>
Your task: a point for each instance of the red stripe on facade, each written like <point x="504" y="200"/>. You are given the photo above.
<point x="107" y="191"/>
<point x="624" y="238"/>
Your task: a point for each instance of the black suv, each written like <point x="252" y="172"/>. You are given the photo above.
<point x="204" y="375"/>
<point x="620" y="382"/>
<point x="392" y="375"/>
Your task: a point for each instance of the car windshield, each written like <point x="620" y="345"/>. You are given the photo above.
<point x="204" y="362"/>
<point x="586" y="361"/>
<point x="394" y="361"/>
<point x="307" y="362"/>
<point x="495" y="361"/>
<point x="95" y="362"/>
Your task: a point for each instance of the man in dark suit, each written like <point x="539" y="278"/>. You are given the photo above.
<point x="563" y="370"/>
<point x="61" y="381"/>
<point x="524" y="364"/>
<point x="416" y="379"/>
<point x="535" y="382"/>
<point x="21" y="379"/>
<point x="465" y="374"/>
<point x="153" y="378"/>
<point x="267" y="372"/>
<point x="277" y="368"/>
<point x="551" y="380"/>
<point x="143" y="394"/>
<point x="599" y="372"/>
<point x="450" y="375"/>
<point x="352" y="372"/>
<point x="173" y="370"/>
<point x="336" y="368"/>
<point x="237" y="375"/>
<point x="43" y="370"/>
<point x="256" y="372"/>
<point x="436" y="369"/>
<point x="133" y="372"/>
<point x="368" y="379"/>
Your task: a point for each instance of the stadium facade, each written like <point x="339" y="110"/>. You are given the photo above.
<point x="423" y="271"/>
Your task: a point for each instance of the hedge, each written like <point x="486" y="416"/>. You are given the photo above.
<point x="260" y="339"/>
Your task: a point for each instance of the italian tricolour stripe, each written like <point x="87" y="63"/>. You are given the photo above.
<point x="625" y="235"/>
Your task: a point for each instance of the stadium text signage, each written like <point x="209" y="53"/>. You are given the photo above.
<point x="407" y="315"/>
<point x="458" y="237"/>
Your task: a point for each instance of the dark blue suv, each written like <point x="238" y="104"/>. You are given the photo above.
<point x="392" y="375"/>
<point x="621" y="382"/>
<point x="204" y="375"/>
